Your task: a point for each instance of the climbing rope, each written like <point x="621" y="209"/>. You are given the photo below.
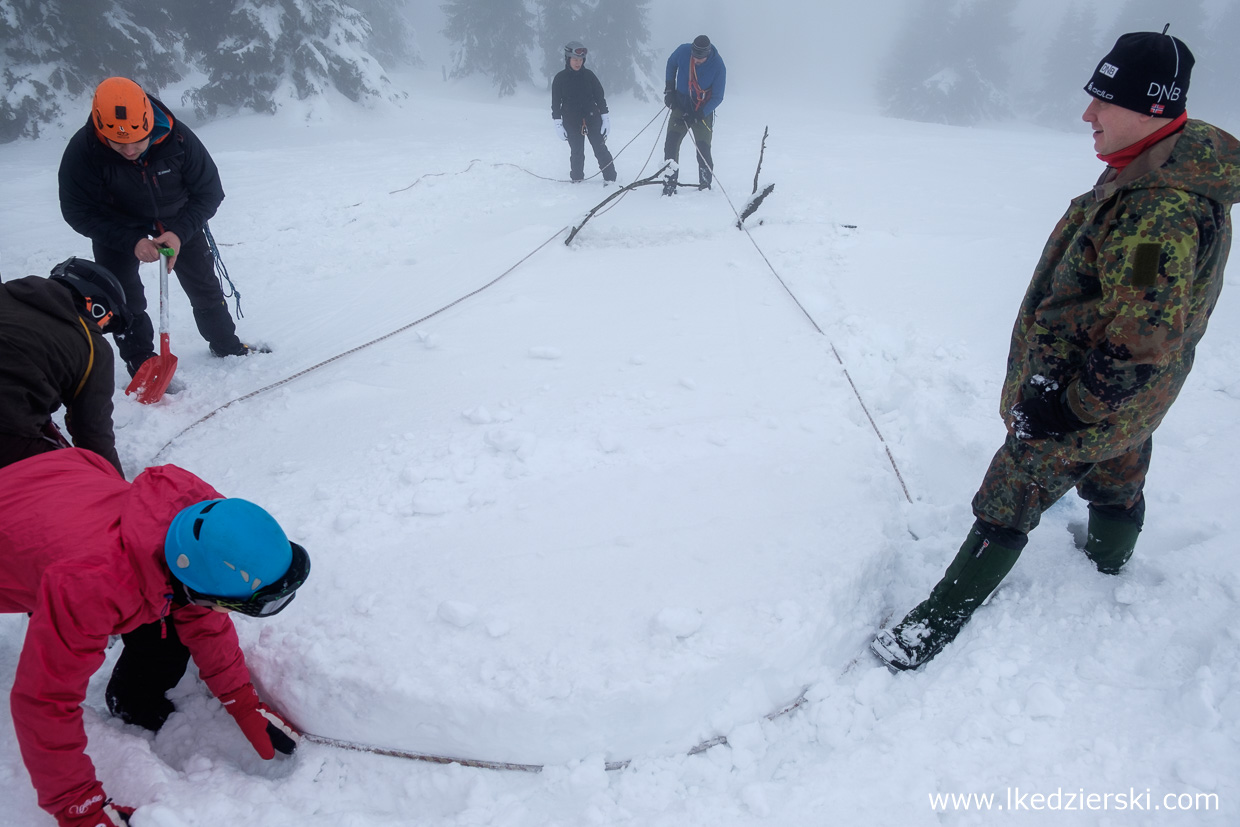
<point x="371" y="343"/>
<point x="498" y="164"/>
<point x="221" y="272"/>
<point x="389" y="335"/>
<point x="856" y="392"/>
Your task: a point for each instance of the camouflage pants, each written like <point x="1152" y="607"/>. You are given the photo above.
<point x="1024" y="479"/>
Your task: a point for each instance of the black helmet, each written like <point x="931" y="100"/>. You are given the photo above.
<point x="98" y="290"/>
<point x="575" y="48"/>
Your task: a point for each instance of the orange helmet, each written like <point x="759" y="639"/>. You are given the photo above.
<point x="122" y="112"/>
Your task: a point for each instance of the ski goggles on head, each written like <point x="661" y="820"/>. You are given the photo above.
<point x="266" y="601"/>
<point x="580" y="51"/>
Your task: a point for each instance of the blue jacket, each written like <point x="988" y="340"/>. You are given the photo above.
<point x="711" y="76"/>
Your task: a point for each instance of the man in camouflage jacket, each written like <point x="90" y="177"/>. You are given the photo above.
<point x="1105" y="337"/>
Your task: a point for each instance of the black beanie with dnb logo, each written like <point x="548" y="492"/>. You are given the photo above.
<point x="701" y="46"/>
<point x="1145" y="72"/>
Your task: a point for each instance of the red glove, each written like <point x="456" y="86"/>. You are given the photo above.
<point x="267" y="731"/>
<point x="94" y="811"/>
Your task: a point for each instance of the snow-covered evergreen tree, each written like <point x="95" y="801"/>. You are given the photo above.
<point x="56" y="51"/>
<point x="391" y="38"/>
<point x="949" y="65"/>
<point x="493" y="37"/>
<point x="1071" y="57"/>
<point x="618" y="32"/>
<point x="250" y="49"/>
<point x="560" y="21"/>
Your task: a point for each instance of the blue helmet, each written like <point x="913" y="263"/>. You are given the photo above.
<point x="227" y="548"/>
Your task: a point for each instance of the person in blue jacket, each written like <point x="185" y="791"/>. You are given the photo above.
<point x="695" y="81"/>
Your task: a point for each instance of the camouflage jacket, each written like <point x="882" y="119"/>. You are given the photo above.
<point x="1124" y="290"/>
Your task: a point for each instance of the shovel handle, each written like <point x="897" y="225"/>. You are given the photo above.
<point x="165" y="255"/>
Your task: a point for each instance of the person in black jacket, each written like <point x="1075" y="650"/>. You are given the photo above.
<point x="132" y="180"/>
<point x="53" y="353"/>
<point x="579" y="110"/>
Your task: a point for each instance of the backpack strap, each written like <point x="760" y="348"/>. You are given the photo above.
<point x="90" y="362"/>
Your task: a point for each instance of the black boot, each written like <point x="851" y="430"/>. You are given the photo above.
<point x="242" y="349"/>
<point x="1113" y="534"/>
<point x="152" y="662"/>
<point x="981" y="564"/>
<point x="216" y="326"/>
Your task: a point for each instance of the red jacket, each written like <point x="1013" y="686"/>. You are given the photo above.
<point x="82" y="550"/>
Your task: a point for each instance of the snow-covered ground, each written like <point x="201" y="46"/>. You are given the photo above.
<point x="624" y="500"/>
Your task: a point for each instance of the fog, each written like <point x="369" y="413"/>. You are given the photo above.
<point x="958" y="62"/>
<point x="820" y="55"/>
<point x="828" y="56"/>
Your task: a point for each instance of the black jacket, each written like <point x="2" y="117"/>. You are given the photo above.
<point x="46" y="350"/>
<point x="576" y="94"/>
<point x="116" y="202"/>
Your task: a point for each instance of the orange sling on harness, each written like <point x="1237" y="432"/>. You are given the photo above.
<point x="697" y="94"/>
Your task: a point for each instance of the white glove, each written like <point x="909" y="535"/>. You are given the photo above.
<point x="606" y="124"/>
<point x="559" y="129"/>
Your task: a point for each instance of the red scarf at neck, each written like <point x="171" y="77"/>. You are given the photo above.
<point x="1123" y="157"/>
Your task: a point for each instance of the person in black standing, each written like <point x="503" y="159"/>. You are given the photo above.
<point x="579" y="111"/>
<point x="133" y="180"/>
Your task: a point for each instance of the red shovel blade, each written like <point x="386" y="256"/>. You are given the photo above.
<point x="154" y="376"/>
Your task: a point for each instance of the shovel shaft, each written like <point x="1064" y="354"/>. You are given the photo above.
<point x="163" y="302"/>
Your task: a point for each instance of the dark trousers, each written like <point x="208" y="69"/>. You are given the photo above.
<point x="195" y="270"/>
<point x="577" y="146"/>
<point x="152" y="662"/>
<point x="14" y="448"/>
<point x="702" y="132"/>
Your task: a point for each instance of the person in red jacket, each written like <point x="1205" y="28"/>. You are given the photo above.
<point x="166" y="550"/>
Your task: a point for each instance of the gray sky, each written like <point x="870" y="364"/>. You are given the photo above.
<point x="815" y="52"/>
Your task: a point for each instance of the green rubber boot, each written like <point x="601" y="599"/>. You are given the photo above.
<point x="979" y="567"/>
<point x="1113" y="535"/>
